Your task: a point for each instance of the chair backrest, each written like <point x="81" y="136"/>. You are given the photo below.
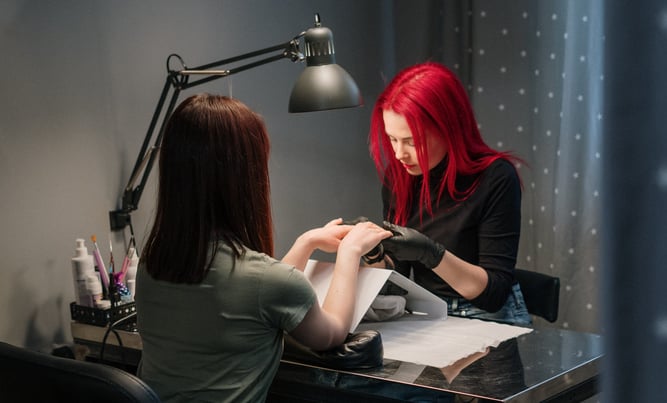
<point x="31" y="376"/>
<point x="541" y="293"/>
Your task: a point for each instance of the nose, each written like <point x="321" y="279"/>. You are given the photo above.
<point x="399" y="151"/>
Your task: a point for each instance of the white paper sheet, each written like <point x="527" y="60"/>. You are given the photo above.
<point x="439" y="343"/>
<point x="369" y="283"/>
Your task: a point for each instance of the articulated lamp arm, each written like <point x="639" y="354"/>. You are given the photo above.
<point x="177" y="81"/>
<point x="322" y="85"/>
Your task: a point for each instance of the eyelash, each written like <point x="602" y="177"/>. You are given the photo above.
<point x="409" y="143"/>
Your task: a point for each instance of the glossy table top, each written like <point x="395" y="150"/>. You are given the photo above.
<point x="530" y="368"/>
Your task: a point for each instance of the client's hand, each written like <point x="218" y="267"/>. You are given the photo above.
<point x="365" y="236"/>
<point x="408" y="244"/>
<point x="327" y="238"/>
<point x="374" y="255"/>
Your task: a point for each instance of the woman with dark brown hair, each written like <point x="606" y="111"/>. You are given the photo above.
<point x="212" y="302"/>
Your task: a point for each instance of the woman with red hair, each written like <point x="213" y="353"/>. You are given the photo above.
<point x="453" y="202"/>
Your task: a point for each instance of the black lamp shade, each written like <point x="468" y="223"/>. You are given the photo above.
<point x="324" y="87"/>
<point x="323" y="84"/>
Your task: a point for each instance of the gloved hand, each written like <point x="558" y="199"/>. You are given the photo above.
<point x="408" y="244"/>
<point x="355" y="220"/>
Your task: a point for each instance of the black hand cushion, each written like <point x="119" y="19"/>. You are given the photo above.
<point x="360" y="350"/>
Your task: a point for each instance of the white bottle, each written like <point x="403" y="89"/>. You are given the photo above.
<point x="131" y="275"/>
<point x="93" y="288"/>
<point x="82" y="267"/>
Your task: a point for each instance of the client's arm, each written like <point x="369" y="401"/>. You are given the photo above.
<point x="327" y="326"/>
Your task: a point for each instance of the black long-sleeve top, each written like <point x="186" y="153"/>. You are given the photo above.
<point x="483" y="230"/>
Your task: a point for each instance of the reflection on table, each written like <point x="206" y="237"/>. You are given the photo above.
<point x="545" y="364"/>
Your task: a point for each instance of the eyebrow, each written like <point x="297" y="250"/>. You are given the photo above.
<point x="400" y="138"/>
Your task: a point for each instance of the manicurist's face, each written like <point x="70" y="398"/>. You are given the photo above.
<point x="401" y="140"/>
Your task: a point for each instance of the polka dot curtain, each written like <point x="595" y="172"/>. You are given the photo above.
<point x="537" y="88"/>
<point x="534" y="75"/>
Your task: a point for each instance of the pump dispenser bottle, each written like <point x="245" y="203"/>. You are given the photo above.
<point x="82" y="268"/>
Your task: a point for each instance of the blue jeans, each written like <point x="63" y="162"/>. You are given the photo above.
<point x="514" y="312"/>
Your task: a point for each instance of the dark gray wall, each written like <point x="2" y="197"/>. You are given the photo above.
<point x="80" y="80"/>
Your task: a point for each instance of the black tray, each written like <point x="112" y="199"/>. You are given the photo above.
<point x="100" y="317"/>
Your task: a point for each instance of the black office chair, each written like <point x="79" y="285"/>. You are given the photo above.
<point x="31" y="376"/>
<point x="541" y="293"/>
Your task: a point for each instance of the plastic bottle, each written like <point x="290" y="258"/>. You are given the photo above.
<point x="82" y="267"/>
<point x="130" y="277"/>
<point x="94" y="288"/>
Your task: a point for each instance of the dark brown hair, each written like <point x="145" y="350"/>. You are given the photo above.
<point x="213" y="187"/>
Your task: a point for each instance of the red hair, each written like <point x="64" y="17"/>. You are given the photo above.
<point x="432" y="100"/>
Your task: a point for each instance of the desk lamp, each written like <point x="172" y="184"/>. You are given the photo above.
<point x="322" y="85"/>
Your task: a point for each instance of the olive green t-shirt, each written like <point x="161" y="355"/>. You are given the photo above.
<point x="221" y="340"/>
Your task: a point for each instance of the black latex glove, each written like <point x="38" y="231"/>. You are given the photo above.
<point x="408" y="244"/>
<point x="355" y="221"/>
